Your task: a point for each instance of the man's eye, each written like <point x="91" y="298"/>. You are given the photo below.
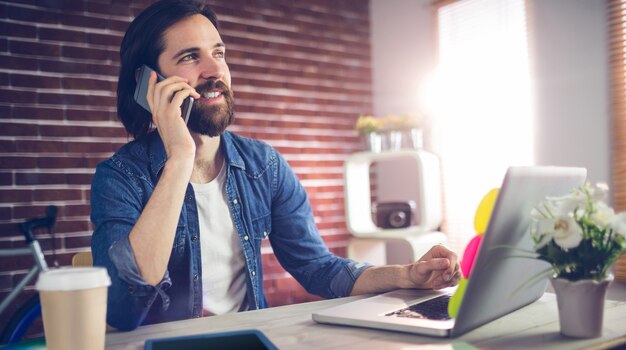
<point x="220" y="54"/>
<point x="188" y="58"/>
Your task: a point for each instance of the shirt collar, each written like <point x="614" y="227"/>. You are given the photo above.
<point x="231" y="153"/>
<point x="158" y="156"/>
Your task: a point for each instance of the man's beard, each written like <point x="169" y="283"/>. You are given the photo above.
<point x="212" y="119"/>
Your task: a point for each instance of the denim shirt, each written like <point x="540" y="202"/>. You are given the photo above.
<point x="266" y="201"/>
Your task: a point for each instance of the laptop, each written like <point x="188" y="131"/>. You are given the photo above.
<point x="501" y="281"/>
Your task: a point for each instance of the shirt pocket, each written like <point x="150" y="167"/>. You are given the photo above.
<point x="261" y="227"/>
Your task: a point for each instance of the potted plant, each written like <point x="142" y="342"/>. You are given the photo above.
<point x="411" y="127"/>
<point x="580" y="236"/>
<point x="368" y="126"/>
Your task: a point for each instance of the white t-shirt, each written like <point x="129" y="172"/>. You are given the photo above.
<point x="223" y="263"/>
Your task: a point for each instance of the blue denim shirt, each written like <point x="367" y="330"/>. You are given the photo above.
<point x="266" y="201"/>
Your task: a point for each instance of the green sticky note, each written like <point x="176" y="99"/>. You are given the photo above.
<point x="455" y="301"/>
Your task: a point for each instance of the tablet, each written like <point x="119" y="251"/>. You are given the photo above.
<point x="245" y="339"/>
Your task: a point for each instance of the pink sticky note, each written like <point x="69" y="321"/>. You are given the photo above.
<point x="469" y="255"/>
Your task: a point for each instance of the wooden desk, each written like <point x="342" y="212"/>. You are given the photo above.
<point x="291" y="327"/>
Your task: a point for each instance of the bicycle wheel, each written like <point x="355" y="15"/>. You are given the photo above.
<point x="21" y="320"/>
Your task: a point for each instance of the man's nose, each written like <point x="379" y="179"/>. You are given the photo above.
<point x="212" y="69"/>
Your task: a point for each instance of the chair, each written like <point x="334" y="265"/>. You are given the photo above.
<point x="85" y="259"/>
<point x="82" y="259"/>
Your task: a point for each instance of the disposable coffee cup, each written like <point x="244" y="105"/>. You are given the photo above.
<point x="74" y="307"/>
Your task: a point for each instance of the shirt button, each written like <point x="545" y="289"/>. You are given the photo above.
<point x="264" y="233"/>
<point x="131" y="289"/>
<point x="253" y="273"/>
<point x="194" y="237"/>
<point x="245" y="238"/>
<point x="195" y="276"/>
<point x="235" y="201"/>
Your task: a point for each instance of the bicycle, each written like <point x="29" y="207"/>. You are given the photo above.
<point x="21" y="320"/>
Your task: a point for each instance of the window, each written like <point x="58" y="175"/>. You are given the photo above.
<point x="482" y="111"/>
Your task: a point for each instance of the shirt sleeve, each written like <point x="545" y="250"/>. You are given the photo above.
<point x="298" y="245"/>
<point x="116" y="204"/>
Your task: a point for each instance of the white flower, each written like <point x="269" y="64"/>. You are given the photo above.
<point x="548" y="209"/>
<point x="542" y="232"/>
<point x="600" y="191"/>
<point x="536" y="214"/>
<point x="567" y="220"/>
<point x="618" y="224"/>
<point x="563" y="229"/>
<point x="570" y="203"/>
<point x="567" y="232"/>
<point x="603" y="215"/>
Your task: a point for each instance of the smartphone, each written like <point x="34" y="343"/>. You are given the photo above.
<point x="249" y="339"/>
<point x="141" y="91"/>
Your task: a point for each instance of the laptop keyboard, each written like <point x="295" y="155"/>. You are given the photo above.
<point x="433" y="309"/>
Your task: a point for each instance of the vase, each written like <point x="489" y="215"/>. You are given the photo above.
<point x="395" y="140"/>
<point x="410" y="139"/>
<point x="414" y="138"/>
<point x="581" y="306"/>
<point x="373" y="142"/>
<point x="391" y="140"/>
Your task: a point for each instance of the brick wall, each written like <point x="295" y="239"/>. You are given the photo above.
<point x="301" y="72"/>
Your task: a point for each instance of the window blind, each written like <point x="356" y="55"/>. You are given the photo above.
<point x="617" y="56"/>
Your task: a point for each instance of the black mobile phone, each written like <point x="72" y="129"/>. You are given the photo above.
<point x="249" y="339"/>
<point x="141" y="91"/>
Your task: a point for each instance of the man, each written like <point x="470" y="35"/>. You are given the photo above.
<point x="181" y="211"/>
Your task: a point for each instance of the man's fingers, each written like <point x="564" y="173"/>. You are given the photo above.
<point x="171" y="97"/>
<point x="156" y="89"/>
<point x="442" y="282"/>
<point x="181" y="95"/>
<point x="438" y="268"/>
<point x="424" y="268"/>
<point x="440" y="251"/>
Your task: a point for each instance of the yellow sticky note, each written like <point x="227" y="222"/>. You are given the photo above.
<point x="483" y="212"/>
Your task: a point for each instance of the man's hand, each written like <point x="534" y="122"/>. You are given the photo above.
<point x="165" y="98"/>
<point x="152" y="237"/>
<point x="438" y="268"/>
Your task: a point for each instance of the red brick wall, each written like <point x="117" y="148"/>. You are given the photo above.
<point x="301" y="72"/>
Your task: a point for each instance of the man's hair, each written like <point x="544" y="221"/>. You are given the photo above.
<point x="142" y="44"/>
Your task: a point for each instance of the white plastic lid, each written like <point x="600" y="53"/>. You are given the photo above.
<point x="73" y="278"/>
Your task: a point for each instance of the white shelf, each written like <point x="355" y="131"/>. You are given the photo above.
<point x="358" y="195"/>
